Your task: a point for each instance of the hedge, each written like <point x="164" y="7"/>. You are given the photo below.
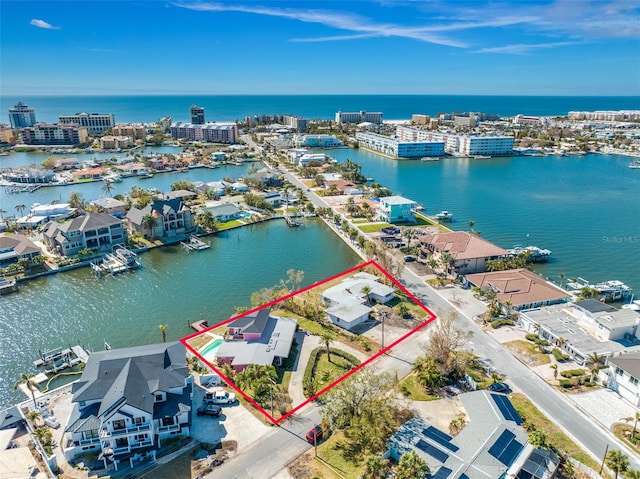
<point x="532" y="337"/>
<point x="565" y="383"/>
<point x="559" y="355"/>
<point x="501" y="322"/>
<point x="570" y="373"/>
<point x="309" y="372"/>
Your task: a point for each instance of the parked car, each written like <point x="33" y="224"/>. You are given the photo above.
<point x="498" y="388"/>
<point x="409" y="259"/>
<point x="219" y="397"/>
<point x="315" y="435"/>
<point x="209" y="410"/>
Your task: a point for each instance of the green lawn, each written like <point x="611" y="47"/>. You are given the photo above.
<point x="332" y="451"/>
<point x="423" y="220"/>
<point x="230" y="224"/>
<point x="410" y="387"/>
<point x="326" y="372"/>
<point x="555" y="435"/>
<point x="373" y="228"/>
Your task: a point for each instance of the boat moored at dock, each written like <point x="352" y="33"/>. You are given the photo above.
<point x="444" y="216"/>
<point x="536" y="255"/>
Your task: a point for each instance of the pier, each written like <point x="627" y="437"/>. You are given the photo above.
<point x="292" y="221"/>
<point x="121" y="260"/>
<point x="58" y="359"/>
<point x="194" y="244"/>
<point x="8" y="286"/>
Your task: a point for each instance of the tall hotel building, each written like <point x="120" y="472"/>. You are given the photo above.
<point x="358" y="117"/>
<point x="94" y="122"/>
<point x="21" y="116"/>
<point x="197" y="115"/>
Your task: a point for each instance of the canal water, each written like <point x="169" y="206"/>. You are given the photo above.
<point x="172" y="288"/>
<point x="585" y="209"/>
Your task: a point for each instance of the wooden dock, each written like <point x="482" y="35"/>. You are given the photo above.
<point x="194" y="244"/>
<point x="200" y="325"/>
<point x="292" y="221"/>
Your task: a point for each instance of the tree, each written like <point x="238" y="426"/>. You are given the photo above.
<point x="375" y="468"/>
<point x="163" y="330"/>
<point x="149" y="223"/>
<point x="562" y="276"/>
<point x="76" y="200"/>
<point x="445" y="342"/>
<point x="206" y="221"/>
<point x="327" y="338"/>
<point x="632" y="474"/>
<point x="403" y="309"/>
<point x="20" y="208"/>
<point x="448" y="262"/>
<point x="107" y="187"/>
<point x="33" y="416"/>
<point x="555" y="370"/>
<point x="28" y="379"/>
<point x="428" y="372"/>
<point x="411" y="466"/>
<point x="366" y="290"/>
<point x="635" y="418"/>
<point x="617" y="461"/>
<point x="538" y="438"/>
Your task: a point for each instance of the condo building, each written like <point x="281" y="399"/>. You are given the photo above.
<point x="211" y="132"/>
<point x="94" y="122"/>
<point x="137" y="132"/>
<point x="21" y="116"/>
<point x="358" y="117"/>
<point x="393" y="146"/>
<point x="197" y="115"/>
<point x="459" y="144"/>
<point x="48" y="134"/>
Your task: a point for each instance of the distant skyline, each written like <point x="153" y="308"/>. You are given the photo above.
<point x="563" y="47"/>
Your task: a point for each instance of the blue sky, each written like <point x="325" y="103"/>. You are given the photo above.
<point x="561" y="47"/>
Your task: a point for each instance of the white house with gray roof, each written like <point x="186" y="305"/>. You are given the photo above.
<point x="349" y="302"/>
<point x="492" y="444"/>
<point x="97" y="231"/>
<point x="623" y="376"/>
<point x="128" y="401"/>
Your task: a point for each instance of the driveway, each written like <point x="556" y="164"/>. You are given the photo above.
<point x="236" y="423"/>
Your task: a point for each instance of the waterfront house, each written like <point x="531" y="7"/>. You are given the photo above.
<point x="111" y="206"/>
<point x="266" y="176"/>
<point x="183" y="195"/>
<point x="582" y="328"/>
<point x="133" y="168"/>
<point x="397" y="209"/>
<point x="349" y="303"/>
<point x="470" y="252"/>
<point x="17" y="247"/>
<point x="521" y="288"/>
<point x="90" y="173"/>
<point x="29" y="176"/>
<point x="623" y="376"/>
<point x="173" y="218"/>
<point x="492" y="443"/>
<point x="223" y="212"/>
<point x="97" y="231"/>
<point x="257" y="338"/>
<point x="127" y="402"/>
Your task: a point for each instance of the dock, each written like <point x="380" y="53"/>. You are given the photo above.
<point x="194" y="244"/>
<point x="58" y="359"/>
<point x="200" y="325"/>
<point x="119" y="261"/>
<point x="292" y="221"/>
<point x="8" y="286"/>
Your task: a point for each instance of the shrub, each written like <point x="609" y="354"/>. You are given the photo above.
<point x="559" y="355"/>
<point x="570" y="373"/>
<point x="501" y="322"/>
<point x="532" y="337"/>
<point x="565" y="383"/>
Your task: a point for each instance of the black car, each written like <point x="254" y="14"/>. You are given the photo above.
<point x="498" y="388"/>
<point x="209" y="410"/>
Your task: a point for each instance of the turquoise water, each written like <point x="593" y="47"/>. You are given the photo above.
<point x="233" y="107"/>
<point x="244" y="214"/>
<point x="172" y="288"/>
<point x="585" y="209"/>
<point x="211" y="348"/>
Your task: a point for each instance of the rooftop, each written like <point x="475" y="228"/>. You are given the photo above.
<point x="462" y="245"/>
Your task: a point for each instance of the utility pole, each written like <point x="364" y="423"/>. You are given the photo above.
<point x="604" y="458"/>
<point x="383" y="315"/>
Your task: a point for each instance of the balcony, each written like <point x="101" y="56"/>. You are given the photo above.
<point x="173" y="427"/>
<point x="145" y="443"/>
<point x="88" y="442"/>
<point x="126" y="431"/>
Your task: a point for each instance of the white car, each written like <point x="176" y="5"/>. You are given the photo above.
<point x="220" y="397"/>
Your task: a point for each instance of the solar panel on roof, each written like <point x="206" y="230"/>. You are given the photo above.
<point x="432" y="451"/>
<point x="506" y="408"/>
<point x="506" y="448"/>
<point x="442" y="473"/>
<point x="440" y="437"/>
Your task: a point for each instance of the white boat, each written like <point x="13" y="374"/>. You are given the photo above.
<point x="536" y="255"/>
<point x="444" y="216"/>
<point x="430" y="158"/>
<point x="635" y="164"/>
<point x="112" y="178"/>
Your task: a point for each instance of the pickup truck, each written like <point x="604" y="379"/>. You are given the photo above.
<point x="219" y="397"/>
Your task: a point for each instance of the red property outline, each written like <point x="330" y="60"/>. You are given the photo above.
<point x="431" y="317"/>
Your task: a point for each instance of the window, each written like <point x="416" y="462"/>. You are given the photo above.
<point x="138" y="420"/>
<point x="619" y="371"/>
<point x="119" y="424"/>
<point x="633" y="380"/>
<point x="168" y="421"/>
<point x="158" y="397"/>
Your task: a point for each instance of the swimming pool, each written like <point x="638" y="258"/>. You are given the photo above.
<point x="209" y="352"/>
<point x="244" y="214"/>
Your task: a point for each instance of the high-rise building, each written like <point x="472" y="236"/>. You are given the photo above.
<point x="197" y="115"/>
<point x="22" y="116"/>
<point x="94" y="122"/>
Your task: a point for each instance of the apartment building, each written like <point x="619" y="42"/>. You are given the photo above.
<point x="393" y="146"/>
<point x="48" y="134"/>
<point x="94" y="122"/>
<point x="210" y="132"/>
<point x="115" y="142"/>
<point x="21" y="115"/>
<point x="137" y="132"/>
<point x="358" y="117"/>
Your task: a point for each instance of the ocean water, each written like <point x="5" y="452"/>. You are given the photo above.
<point x="236" y="107"/>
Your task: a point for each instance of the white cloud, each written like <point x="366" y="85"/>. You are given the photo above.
<point x="42" y="24"/>
<point x="523" y="48"/>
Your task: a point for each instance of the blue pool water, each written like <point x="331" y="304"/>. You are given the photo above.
<point x="210" y="350"/>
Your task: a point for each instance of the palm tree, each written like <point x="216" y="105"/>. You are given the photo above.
<point x="366" y="290"/>
<point x="635" y="418"/>
<point x="633" y="474"/>
<point x="562" y="277"/>
<point x="76" y="200"/>
<point x="555" y="370"/>
<point x="617" y="462"/>
<point x="471" y="224"/>
<point x="28" y="379"/>
<point x="163" y="330"/>
<point x="374" y="468"/>
<point x="428" y="372"/>
<point x="593" y="361"/>
<point x="447" y="261"/>
<point x="107" y="187"/>
<point x="33" y="416"/>
<point x="327" y="338"/>
<point x="149" y="223"/>
<point x="20" y="208"/>
<point x="411" y="466"/>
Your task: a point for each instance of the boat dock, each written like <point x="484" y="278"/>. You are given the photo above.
<point x="612" y="290"/>
<point x="536" y="255"/>
<point x="58" y="359"/>
<point x="200" y="325"/>
<point x="194" y="244"/>
<point x="8" y="286"/>
<point x="121" y="260"/>
<point x="292" y="221"/>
